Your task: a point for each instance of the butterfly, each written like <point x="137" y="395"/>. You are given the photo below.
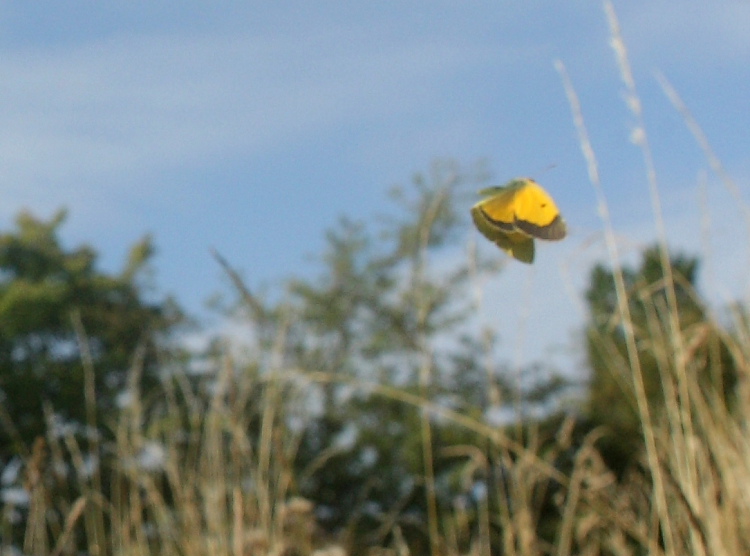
<point x="514" y="214"/>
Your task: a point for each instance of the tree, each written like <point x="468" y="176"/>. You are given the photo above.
<point x="377" y="315"/>
<point x="670" y="339"/>
<point x="390" y="315"/>
<point x="61" y="320"/>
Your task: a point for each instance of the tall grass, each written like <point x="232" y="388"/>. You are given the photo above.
<point x="185" y="479"/>
<point x="696" y="453"/>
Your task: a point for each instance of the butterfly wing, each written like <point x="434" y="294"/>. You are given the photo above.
<point x="536" y="213"/>
<point x="517" y="244"/>
<point x="497" y="209"/>
<point x="513" y="215"/>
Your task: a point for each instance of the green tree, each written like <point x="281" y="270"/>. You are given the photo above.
<point x="392" y="313"/>
<point x="669" y="339"/>
<point x="63" y="319"/>
<point x="382" y="313"/>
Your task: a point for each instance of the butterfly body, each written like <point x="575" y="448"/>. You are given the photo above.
<point x="513" y="215"/>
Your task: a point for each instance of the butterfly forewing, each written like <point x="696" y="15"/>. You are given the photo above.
<point x="537" y="214"/>
<point x="498" y="209"/>
<point x="553" y="231"/>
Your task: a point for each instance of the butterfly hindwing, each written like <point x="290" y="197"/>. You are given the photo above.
<point x="517" y="245"/>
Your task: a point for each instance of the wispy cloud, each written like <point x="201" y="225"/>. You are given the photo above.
<point x="142" y="103"/>
<point x="135" y="106"/>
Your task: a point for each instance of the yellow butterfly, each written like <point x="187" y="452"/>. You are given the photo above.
<point x="514" y="214"/>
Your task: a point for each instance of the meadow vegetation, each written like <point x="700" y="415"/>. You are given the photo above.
<point x="359" y="414"/>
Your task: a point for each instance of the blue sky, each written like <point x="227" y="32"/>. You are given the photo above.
<point x="218" y="125"/>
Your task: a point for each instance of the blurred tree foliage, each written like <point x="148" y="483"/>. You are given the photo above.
<point x="381" y="340"/>
<point x="59" y="313"/>
<point x="672" y="337"/>
<point x="395" y="305"/>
